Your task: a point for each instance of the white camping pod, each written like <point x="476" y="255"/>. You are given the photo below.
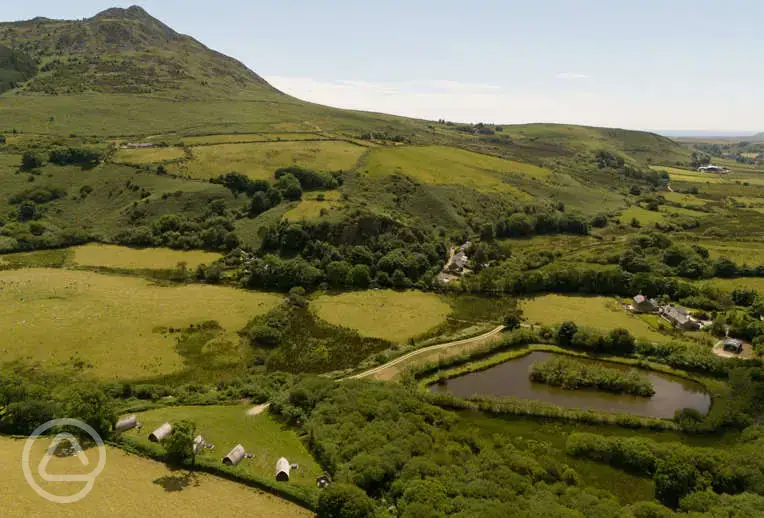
<point x="160" y="433"/>
<point x="234" y="456"/>
<point x="126" y="423"/>
<point x="198" y="443"/>
<point x="282" y="470"/>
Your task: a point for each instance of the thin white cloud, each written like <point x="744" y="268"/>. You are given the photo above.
<point x="571" y="75"/>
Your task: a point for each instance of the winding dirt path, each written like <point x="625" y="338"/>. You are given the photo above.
<point x="376" y="371"/>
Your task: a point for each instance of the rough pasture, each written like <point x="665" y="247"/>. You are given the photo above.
<point x="117" y="327"/>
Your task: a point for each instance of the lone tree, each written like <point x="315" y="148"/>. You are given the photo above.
<point x="566" y="332"/>
<point x="31" y="160"/>
<point x="180" y="443"/>
<point x="513" y="319"/>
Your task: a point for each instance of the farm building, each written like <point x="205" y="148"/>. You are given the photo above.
<point x="679" y="317"/>
<point x="282" y="470"/>
<point x="160" y="433"/>
<point x="642" y="304"/>
<point x="710" y="168"/>
<point x="733" y="345"/>
<point x="235" y="456"/>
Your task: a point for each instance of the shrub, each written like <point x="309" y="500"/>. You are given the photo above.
<point x="75" y="156"/>
<point x="344" y="501"/>
<point x="31" y="160"/>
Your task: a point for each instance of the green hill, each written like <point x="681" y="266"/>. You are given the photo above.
<point x="123" y="76"/>
<point x="124" y="51"/>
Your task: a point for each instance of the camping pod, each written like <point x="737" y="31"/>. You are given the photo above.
<point x="234" y="456"/>
<point x="126" y="423"/>
<point x="160" y="433"/>
<point x="282" y="470"/>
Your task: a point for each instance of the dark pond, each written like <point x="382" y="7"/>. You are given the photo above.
<point x="511" y="379"/>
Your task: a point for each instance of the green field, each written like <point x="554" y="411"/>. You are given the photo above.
<point x="682" y="211"/>
<point x="122" y="257"/>
<point x="687" y="200"/>
<point x="442" y="165"/>
<point x="148" y="156"/>
<point x="226" y="426"/>
<point x="756" y="283"/>
<point x="644" y="216"/>
<point x="130" y="486"/>
<point x="247" y="137"/>
<point x="117" y="326"/>
<point x="742" y="252"/>
<point x="390" y="315"/>
<point x="262" y="159"/>
<point x="311" y="207"/>
<point x="597" y="312"/>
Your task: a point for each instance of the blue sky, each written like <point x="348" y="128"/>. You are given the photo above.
<point x="661" y="65"/>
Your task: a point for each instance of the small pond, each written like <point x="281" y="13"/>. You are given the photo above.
<point x="510" y="378"/>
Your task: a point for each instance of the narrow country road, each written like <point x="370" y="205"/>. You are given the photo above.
<point x="436" y="347"/>
<point x="258" y="409"/>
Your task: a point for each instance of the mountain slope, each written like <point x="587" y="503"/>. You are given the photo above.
<point x="124" y="51"/>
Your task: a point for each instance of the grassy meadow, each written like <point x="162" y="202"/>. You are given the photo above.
<point x="445" y="166"/>
<point x="644" y="216"/>
<point x="117" y="327"/>
<point x="387" y="314"/>
<point x="148" y="156"/>
<point x="260" y="160"/>
<point x="204" y="140"/>
<point x="311" y="207"/>
<point x="756" y="283"/>
<point x="598" y="312"/>
<point x="131" y="486"/>
<point x="226" y="426"/>
<point x="122" y="257"/>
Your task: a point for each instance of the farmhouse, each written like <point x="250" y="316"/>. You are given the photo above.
<point x="679" y="317"/>
<point x="642" y="304"/>
<point x="733" y="345"/>
<point x="710" y="168"/>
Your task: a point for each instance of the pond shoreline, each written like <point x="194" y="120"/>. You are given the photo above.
<point x="428" y="382"/>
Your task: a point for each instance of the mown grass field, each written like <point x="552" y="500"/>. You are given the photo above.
<point x="226" y="426"/>
<point x="148" y="156"/>
<point x="445" y="165"/>
<point x="387" y="314"/>
<point x="115" y="326"/>
<point x="603" y="313"/>
<point x="122" y="257"/>
<point x="130" y="486"/>
<point x="260" y="160"/>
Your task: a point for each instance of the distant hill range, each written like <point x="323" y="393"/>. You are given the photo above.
<point x="124" y="51"/>
<point x="125" y="73"/>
